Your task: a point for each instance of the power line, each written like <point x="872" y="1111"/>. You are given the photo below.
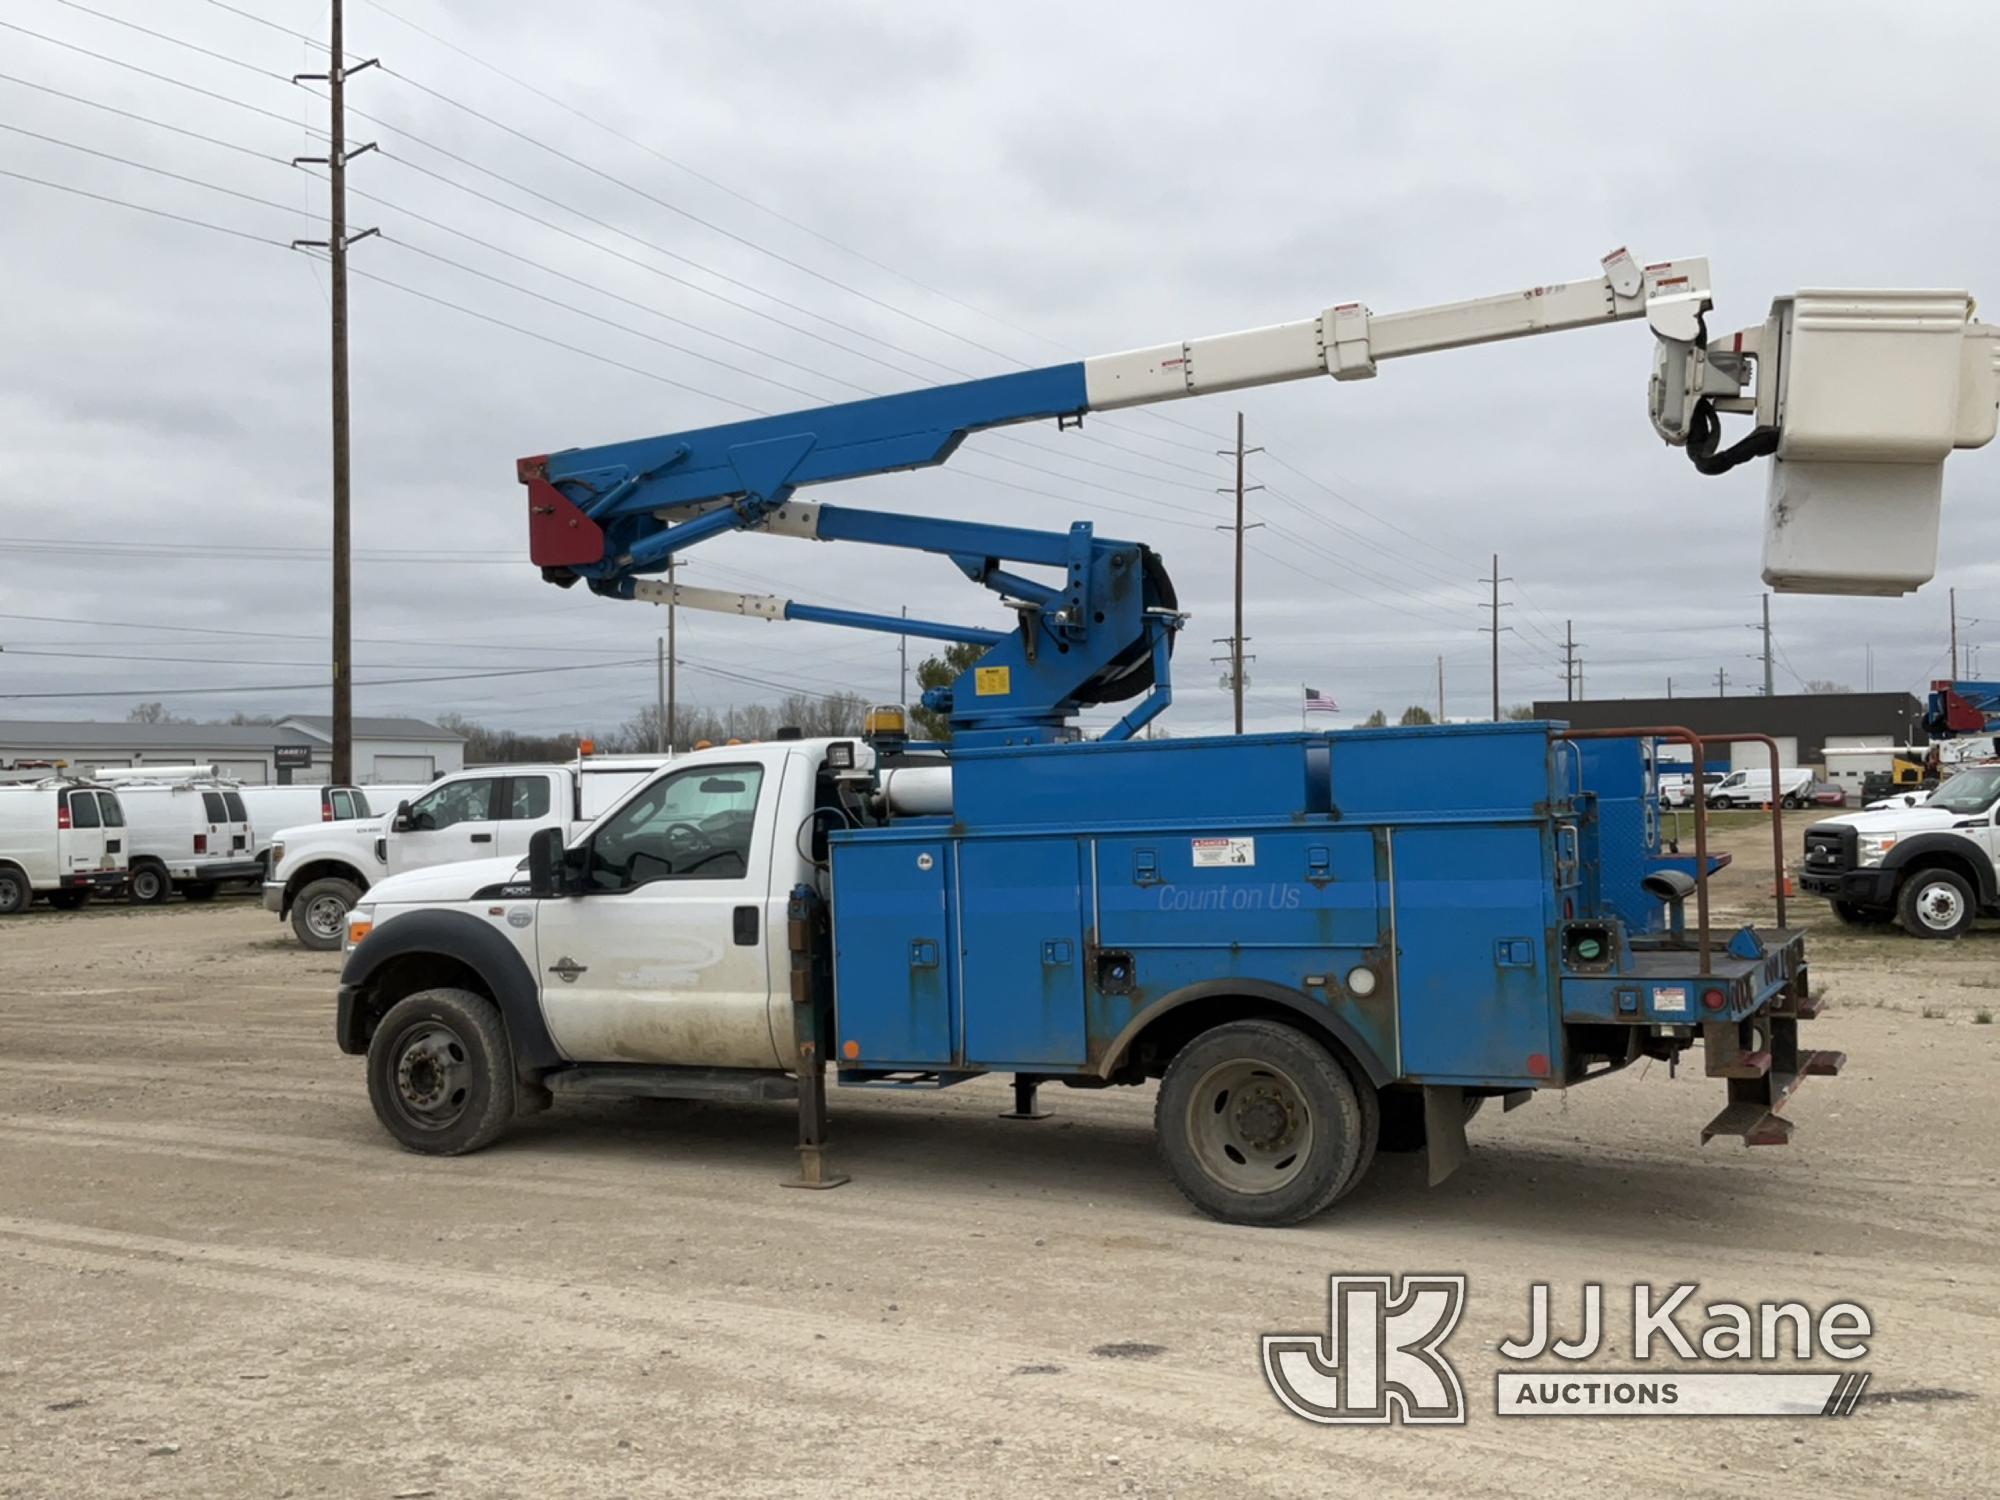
<point x="298" y="687"/>
<point x="158" y="213"/>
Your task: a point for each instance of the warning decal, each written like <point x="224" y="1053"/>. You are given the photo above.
<point x="1211" y="852"/>
<point x="991" y="682"/>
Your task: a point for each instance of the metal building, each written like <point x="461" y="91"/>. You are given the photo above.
<point x="294" y="751"/>
<point x="1803" y="724"/>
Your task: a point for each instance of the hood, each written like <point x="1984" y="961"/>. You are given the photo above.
<point x="447" y="882"/>
<point x="358" y="828"/>
<point x="1895" y="820"/>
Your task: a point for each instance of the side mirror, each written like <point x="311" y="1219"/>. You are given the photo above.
<point x="546" y="868"/>
<point x="401" y="821"/>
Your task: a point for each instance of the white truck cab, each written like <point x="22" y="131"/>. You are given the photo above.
<point x="1929" y="867"/>
<point x="667" y="945"/>
<point x="62" y="840"/>
<point x="316" y="872"/>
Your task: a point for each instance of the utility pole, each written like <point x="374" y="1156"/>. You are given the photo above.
<point x="1721" y="683"/>
<point x="1769" y="688"/>
<point x="903" y="655"/>
<point x="673" y="617"/>
<point x="1238" y="640"/>
<point x="660" y="710"/>
<point x="336" y="244"/>
<point x="1870" y="679"/>
<point x="1440" y="690"/>
<point x="1954" y="635"/>
<point x="1670" y="689"/>
<point x="1494" y="629"/>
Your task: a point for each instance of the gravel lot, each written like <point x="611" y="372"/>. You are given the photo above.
<point x="219" y="1277"/>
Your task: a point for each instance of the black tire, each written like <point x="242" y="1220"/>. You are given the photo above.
<point x="199" y="890"/>
<point x="319" y="913"/>
<point x="1790" y="804"/>
<point x="16" y="895"/>
<point x="150" y="884"/>
<point x="1258" y="1123"/>
<point x="1935" y="903"/>
<point x="1853" y="915"/>
<point x="68" y="900"/>
<point x="1403" y="1119"/>
<point x="441" y="1072"/>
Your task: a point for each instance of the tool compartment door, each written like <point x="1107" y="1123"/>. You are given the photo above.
<point x="1021" y="905"/>
<point x="1472" y="975"/>
<point x="894" y="960"/>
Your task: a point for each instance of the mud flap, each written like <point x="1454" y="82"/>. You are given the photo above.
<point x="1444" y="1131"/>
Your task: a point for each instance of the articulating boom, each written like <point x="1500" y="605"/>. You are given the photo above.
<point x="1868" y="420"/>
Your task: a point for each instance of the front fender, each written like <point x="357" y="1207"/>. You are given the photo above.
<point x="1313" y="1012"/>
<point x="462" y="938"/>
<point x="1913" y="850"/>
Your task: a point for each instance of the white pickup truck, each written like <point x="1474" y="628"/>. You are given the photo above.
<point x="317" y="871"/>
<point x="672" y="949"/>
<point x="1933" y="867"/>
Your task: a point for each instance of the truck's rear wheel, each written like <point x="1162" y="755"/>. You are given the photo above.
<point x="15" y="892"/>
<point x="1935" y="904"/>
<point x="441" y="1073"/>
<point x="319" y="912"/>
<point x="1259" y="1124"/>
<point x="150" y="885"/>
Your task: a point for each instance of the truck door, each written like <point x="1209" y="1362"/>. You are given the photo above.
<point x="80" y="836"/>
<point x="112" y="816"/>
<point x="454" y="820"/>
<point x="525" y="805"/>
<point x="663" y="957"/>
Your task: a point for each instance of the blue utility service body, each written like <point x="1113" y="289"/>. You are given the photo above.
<point x="1408" y="891"/>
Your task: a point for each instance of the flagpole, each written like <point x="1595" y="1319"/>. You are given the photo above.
<point x="1303" y="690"/>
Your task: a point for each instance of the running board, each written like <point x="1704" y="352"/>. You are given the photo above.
<point x="625" y="1081"/>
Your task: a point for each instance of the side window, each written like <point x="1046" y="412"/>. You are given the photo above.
<point x="692" y="825"/>
<point x="217" y="809"/>
<point x="83" y="810"/>
<point x="238" y="813"/>
<point x="361" y="807"/>
<point x="527" y="797"/>
<point x="454" y="802"/>
<point x="114" y="815"/>
<point x="342" y="805"/>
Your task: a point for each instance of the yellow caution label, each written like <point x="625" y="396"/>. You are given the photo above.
<point x="991" y="682"/>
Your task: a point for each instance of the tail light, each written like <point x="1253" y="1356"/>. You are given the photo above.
<point x="1714" y="999"/>
<point x="62" y="812"/>
<point x="325" y="808"/>
<point x="201" y="843"/>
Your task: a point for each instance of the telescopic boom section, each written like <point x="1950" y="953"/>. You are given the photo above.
<point x="609" y="513"/>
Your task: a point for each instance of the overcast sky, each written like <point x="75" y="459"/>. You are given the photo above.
<point x="941" y="191"/>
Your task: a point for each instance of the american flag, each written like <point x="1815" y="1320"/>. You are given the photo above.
<point x="1320" y="703"/>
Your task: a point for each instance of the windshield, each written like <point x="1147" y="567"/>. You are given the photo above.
<point x="1968" y="792"/>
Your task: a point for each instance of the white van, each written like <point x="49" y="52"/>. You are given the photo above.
<point x="190" y="833"/>
<point x="1753" y="788"/>
<point x="61" y="839"/>
<point x="275" y="807"/>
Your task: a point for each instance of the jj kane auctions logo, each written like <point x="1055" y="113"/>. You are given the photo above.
<point x="1381" y="1359"/>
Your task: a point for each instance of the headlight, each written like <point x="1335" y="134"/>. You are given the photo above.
<point x="277" y="856"/>
<point x="360" y="922"/>
<point x="1875" y="845"/>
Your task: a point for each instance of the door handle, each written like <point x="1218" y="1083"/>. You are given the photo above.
<point x="746" y="926"/>
<point x="482" y="838"/>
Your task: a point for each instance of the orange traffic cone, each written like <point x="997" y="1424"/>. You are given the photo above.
<point x="1784" y="881"/>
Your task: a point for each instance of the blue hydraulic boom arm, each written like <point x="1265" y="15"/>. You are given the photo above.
<point x="614" y="514"/>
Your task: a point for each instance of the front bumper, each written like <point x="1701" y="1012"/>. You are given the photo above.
<point x="274" y="897"/>
<point x="1853" y="887"/>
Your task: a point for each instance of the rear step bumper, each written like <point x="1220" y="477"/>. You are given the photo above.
<point x="1755" y="1109"/>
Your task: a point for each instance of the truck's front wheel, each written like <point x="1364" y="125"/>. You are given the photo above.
<point x="440" y="1072"/>
<point x="319" y="913"/>
<point x="1259" y="1124"/>
<point x="1935" y="904"/>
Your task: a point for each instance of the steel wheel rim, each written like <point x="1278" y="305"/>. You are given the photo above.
<point x="10" y="892"/>
<point x="326" y="916"/>
<point x="1940" y="907"/>
<point x="432" y="1076"/>
<point x="1250" y="1127"/>
<point x="145" y="885"/>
